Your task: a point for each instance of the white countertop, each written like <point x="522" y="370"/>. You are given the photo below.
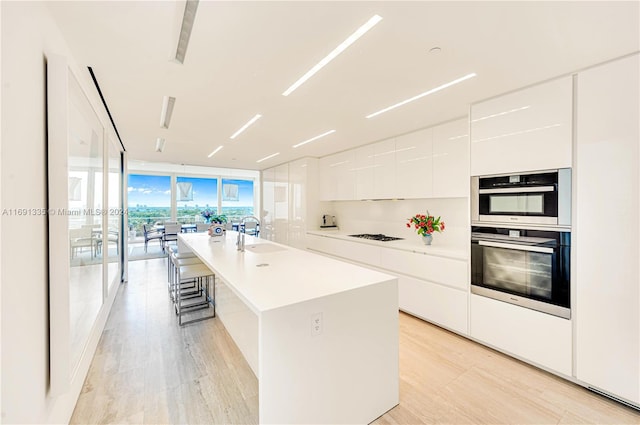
<point x="290" y="276"/>
<point x="411" y="245"/>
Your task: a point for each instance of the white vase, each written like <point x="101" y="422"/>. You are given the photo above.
<point x="427" y="239"/>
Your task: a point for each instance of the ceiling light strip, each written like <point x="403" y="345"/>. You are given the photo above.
<point x="188" y="19"/>
<point x="268" y="157"/>
<point x="434" y="90"/>
<point x="314" y="138"/>
<point x="244" y="127"/>
<point x="168" y="103"/>
<point x="215" y="151"/>
<point x="331" y="56"/>
<point x="159" y="144"/>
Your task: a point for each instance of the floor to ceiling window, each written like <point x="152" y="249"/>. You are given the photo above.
<point x="237" y="199"/>
<point x="149" y="201"/>
<point x="193" y="196"/>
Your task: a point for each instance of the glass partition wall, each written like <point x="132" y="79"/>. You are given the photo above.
<point x="94" y="214"/>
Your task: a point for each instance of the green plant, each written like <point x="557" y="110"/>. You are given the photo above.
<point x="426" y="224"/>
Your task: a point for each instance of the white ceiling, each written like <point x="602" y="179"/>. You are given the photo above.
<point x="243" y="55"/>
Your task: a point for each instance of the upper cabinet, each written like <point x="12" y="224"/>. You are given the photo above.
<point x="433" y="162"/>
<point x="337" y="176"/>
<point x="451" y="177"/>
<point x="414" y="164"/>
<point x="527" y="130"/>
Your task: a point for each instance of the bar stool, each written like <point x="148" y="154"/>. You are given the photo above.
<point x="172" y="255"/>
<point x="203" y="293"/>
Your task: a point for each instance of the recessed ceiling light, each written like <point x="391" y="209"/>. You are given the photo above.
<point x="331" y="56"/>
<point x="435" y="49"/>
<point x="167" y="110"/>
<point x="188" y="18"/>
<point x="268" y="157"/>
<point x="436" y="89"/>
<point x="314" y="138"/>
<point x="244" y="127"/>
<point x="215" y="151"/>
<point x="159" y="144"/>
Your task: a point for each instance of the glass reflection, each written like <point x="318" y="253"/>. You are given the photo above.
<point x="85" y="146"/>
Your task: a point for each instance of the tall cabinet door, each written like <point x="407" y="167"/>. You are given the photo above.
<point x="268" y="204"/>
<point x="281" y="204"/>
<point x="607" y="229"/>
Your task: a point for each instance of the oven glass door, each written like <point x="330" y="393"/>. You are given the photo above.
<point x="530" y="268"/>
<point x="534" y="202"/>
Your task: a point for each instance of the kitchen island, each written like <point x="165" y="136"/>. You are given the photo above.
<point x="321" y="335"/>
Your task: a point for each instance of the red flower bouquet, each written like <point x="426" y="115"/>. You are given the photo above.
<point x="426" y="224"/>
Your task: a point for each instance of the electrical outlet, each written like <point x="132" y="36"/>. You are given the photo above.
<point x="316" y="324"/>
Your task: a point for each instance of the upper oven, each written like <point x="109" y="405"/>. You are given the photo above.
<point x="531" y="198"/>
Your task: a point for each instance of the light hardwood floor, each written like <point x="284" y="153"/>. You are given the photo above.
<point x="149" y="370"/>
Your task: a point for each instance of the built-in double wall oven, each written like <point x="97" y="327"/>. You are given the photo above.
<point x="521" y="239"/>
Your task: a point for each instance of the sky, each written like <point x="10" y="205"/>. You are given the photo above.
<point x="155" y="191"/>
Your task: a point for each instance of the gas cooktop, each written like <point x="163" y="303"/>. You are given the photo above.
<point x="376" y="237"/>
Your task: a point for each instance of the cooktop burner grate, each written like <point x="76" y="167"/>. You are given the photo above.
<point x="376" y="237"/>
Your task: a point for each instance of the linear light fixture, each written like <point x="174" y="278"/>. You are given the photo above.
<point x="268" y="157"/>
<point x="244" y="127"/>
<point x="168" y="103"/>
<point x="427" y="93"/>
<point x="216" y="150"/>
<point x="159" y="144"/>
<point x="188" y="18"/>
<point x="314" y="138"/>
<point x="334" y="53"/>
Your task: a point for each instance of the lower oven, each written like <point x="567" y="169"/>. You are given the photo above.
<point x="526" y="267"/>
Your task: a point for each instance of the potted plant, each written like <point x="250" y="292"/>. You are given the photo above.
<point x="425" y="225"/>
<point x="211" y="217"/>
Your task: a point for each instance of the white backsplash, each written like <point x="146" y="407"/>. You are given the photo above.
<point x="390" y="217"/>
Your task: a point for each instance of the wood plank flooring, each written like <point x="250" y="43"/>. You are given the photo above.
<point x="148" y="370"/>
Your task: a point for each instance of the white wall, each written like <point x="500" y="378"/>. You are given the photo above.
<point x="29" y="35"/>
<point x="389" y="217"/>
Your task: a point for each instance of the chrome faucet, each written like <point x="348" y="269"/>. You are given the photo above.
<point x="240" y="241"/>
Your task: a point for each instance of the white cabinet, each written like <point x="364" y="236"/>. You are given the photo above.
<point x="439" y="304"/>
<point x="428" y="163"/>
<point x="364" y="169"/>
<point x="290" y="202"/>
<point x="607" y="184"/>
<point x="268" y="204"/>
<point x="431" y="287"/>
<point x="384" y="172"/>
<point x="536" y="337"/>
<point x="530" y="129"/>
<point x="303" y="204"/>
<point x="414" y="164"/>
<point x="337" y="176"/>
<point x="281" y="204"/>
<point x="451" y="172"/>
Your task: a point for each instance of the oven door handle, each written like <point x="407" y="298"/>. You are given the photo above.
<point x="518" y="190"/>
<point x="541" y="249"/>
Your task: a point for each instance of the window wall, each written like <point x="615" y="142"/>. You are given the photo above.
<point x="160" y="192"/>
<point x="237" y="199"/>
<point x="149" y="198"/>
<point x="193" y="196"/>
